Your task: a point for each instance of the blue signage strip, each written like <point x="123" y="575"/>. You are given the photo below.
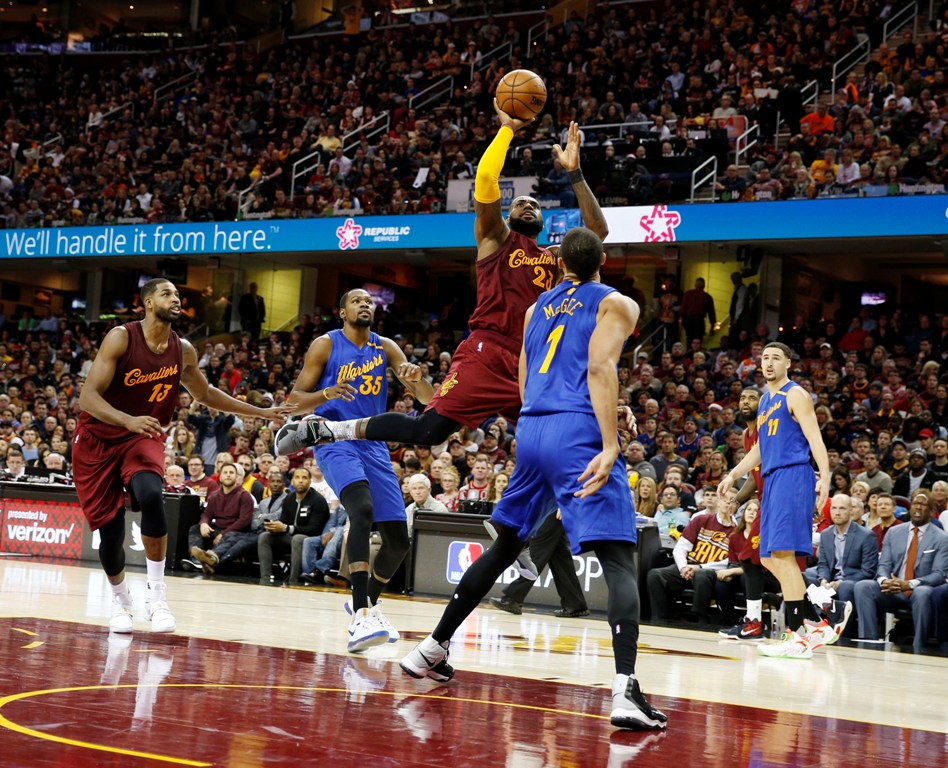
<point x="838" y="218"/>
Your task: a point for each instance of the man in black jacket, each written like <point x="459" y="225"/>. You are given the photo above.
<point x="304" y="514"/>
<point x="917" y="476"/>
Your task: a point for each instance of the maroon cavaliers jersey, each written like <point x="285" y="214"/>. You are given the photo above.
<point x="144" y="384"/>
<point x="750" y="440"/>
<point x="508" y="282"/>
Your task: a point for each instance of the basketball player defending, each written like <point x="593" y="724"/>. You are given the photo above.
<point x="130" y="395"/>
<point x="344" y="377"/>
<point x="787" y="434"/>
<point x="567" y="454"/>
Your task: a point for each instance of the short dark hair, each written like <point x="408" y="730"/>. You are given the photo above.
<point x="149" y="288"/>
<point x="782" y="347"/>
<point x="581" y="251"/>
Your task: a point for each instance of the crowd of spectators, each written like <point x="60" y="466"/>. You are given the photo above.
<point x="85" y="140"/>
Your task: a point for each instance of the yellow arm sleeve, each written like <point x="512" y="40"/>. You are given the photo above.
<point x="486" y="182"/>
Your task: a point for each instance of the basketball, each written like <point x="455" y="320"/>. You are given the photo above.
<point x="521" y="94"/>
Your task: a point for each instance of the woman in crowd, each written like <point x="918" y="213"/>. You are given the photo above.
<point x="646" y="497"/>
<point x="498" y="484"/>
<point x="181" y="441"/>
<point x="450" y="483"/>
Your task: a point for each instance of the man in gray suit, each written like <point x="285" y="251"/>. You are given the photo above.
<point x="848" y="552"/>
<point x="898" y="584"/>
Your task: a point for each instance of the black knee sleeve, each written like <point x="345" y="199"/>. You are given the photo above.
<point x="146" y="487"/>
<point x="431" y="428"/>
<point x="395" y="545"/>
<point x="357" y="500"/>
<point x="112" y="545"/>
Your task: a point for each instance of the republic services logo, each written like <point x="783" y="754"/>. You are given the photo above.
<point x="659" y="225"/>
<point x="348" y="235"/>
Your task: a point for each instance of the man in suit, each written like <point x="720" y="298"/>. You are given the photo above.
<point x="848" y="552"/>
<point x="900" y="582"/>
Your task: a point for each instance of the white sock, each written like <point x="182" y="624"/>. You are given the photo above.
<point x="755" y="610"/>
<point x="343" y="430"/>
<point x="156" y="572"/>
<point x="121" y="592"/>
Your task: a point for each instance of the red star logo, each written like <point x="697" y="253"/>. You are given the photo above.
<point x="348" y="235"/>
<point x="659" y="225"/>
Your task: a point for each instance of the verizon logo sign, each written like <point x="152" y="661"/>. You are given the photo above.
<point x="39" y="533"/>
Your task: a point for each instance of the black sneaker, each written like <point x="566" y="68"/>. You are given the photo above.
<point x="748" y="629"/>
<point x="295" y="436"/>
<point x="571" y="613"/>
<point x="630" y="708"/>
<point x="506" y="604"/>
<point x="316" y="578"/>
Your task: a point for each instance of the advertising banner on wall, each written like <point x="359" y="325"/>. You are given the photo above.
<point x="45" y="528"/>
<point x="781" y="220"/>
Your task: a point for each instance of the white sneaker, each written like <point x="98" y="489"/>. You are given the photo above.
<point x="385" y="624"/>
<point x="156" y="606"/>
<point x="819" y="633"/>
<point x="793" y="645"/>
<point x="631" y="710"/>
<point x="393" y="635"/>
<point x="121" y="618"/>
<point x="365" y="631"/>
<point x="429" y="659"/>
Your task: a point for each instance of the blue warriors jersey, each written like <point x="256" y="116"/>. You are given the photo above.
<point x="781" y="438"/>
<point x="556" y="344"/>
<point x="364" y="368"/>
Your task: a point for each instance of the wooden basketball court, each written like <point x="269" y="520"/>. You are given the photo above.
<point x="259" y="676"/>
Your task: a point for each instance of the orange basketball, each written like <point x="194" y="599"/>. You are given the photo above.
<point x="521" y="94"/>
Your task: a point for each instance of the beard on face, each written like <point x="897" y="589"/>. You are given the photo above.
<point x="528" y="228"/>
<point x="165" y="315"/>
<point x="360" y="322"/>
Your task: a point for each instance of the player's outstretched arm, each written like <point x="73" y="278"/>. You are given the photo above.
<point x="490" y="228"/>
<point x="592" y="214"/>
<point x="801" y="407"/>
<point x="92" y="399"/>
<point x="407" y="373"/>
<point x="302" y="398"/>
<point x="194" y="381"/>
<point x="616" y="321"/>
